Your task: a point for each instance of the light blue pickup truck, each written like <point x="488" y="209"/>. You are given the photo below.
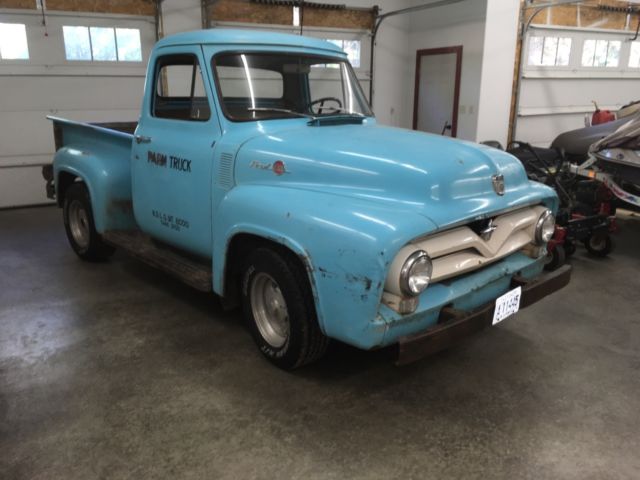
<point x="257" y="171"/>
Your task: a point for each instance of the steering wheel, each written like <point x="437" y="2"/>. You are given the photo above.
<point x="321" y="102"/>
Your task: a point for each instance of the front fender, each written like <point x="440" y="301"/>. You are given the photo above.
<point x="108" y="180"/>
<point x="347" y="245"/>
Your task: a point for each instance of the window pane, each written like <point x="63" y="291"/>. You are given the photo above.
<point x="13" y="41"/>
<point x="103" y="44"/>
<point x="588" y="52"/>
<point x="250" y="83"/>
<point x="600" y="59"/>
<point x="549" y="51"/>
<point x="129" y="44"/>
<point x="76" y="43"/>
<point x="175" y="80"/>
<point x="613" y="54"/>
<point x="535" y="50"/>
<point x="634" y="58"/>
<point x="352" y="47"/>
<point x="564" y="52"/>
<point x="175" y="83"/>
<point x="285" y="86"/>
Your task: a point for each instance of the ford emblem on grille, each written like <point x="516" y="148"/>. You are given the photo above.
<point x="488" y="230"/>
<point x="498" y="184"/>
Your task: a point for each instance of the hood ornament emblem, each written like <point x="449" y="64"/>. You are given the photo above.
<point x="498" y="184"/>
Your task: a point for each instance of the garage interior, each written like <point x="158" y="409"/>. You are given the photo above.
<point x="112" y="370"/>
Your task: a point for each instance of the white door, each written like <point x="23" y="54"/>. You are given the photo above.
<point x="437" y="84"/>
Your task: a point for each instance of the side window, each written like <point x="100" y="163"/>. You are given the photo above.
<point x="601" y="53"/>
<point x="179" y="89"/>
<point x="549" y="51"/>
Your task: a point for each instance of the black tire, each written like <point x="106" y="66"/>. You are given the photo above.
<point x="88" y="244"/>
<point x="599" y="244"/>
<point x="303" y="341"/>
<point x="569" y="248"/>
<point x="556" y="257"/>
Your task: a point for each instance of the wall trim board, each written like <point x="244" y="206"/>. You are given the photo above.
<point x="571" y="110"/>
<point x="295" y="30"/>
<point x="581" y="75"/>
<point x="138" y="7"/>
<point x="251" y="12"/>
<point x="36" y="73"/>
<point x="630" y="32"/>
<point x="85" y="69"/>
<point x="38" y="14"/>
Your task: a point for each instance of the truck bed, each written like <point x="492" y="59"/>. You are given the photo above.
<point x="58" y="128"/>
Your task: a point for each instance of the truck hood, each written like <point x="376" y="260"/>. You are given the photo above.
<point x="445" y="180"/>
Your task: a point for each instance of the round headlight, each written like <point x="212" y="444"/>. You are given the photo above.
<point x="545" y="227"/>
<point x="416" y="273"/>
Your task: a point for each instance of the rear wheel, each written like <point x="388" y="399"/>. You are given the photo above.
<point x="78" y="223"/>
<point x="280" y="311"/>
<point x="599" y="244"/>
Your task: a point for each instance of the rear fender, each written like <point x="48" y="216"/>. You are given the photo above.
<point x="108" y="182"/>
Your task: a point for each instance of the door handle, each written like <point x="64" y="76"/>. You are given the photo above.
<point x="142" y="139"/>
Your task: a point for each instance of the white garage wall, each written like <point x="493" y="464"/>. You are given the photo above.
<point x="500" y="36"/>
<point x="393" y="64"/>
<point x="48" y="84"/>
<point x="556" y="99"/>
<point x="457" y="24"/>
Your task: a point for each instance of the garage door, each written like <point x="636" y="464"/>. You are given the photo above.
<point x="565" y="69"/>
<point x="100" y="81"/>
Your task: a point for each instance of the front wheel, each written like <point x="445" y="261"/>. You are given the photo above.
<point x="279" y="308"/>
<point x="78" y="223"/>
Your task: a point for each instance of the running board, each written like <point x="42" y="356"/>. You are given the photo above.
<point x="186" y="269"/>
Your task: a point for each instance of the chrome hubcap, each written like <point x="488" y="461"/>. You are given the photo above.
<point x="79" y="223"/>
<point x="269" y="310"/>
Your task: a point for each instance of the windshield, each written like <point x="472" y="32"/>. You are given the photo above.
<point x="261" y="86"/>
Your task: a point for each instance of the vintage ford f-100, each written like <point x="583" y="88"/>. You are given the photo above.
<point x="257" y="171"/>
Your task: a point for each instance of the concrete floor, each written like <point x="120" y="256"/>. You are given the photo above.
<point x="116" y="371"/>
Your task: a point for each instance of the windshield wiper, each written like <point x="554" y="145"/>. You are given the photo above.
<point x="342" y="111"/>
<point x="281" y="110"/>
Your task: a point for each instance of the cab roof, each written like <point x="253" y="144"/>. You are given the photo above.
<point x="230" y="36"/>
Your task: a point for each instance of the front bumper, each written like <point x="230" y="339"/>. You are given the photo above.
<point x="454" y="324"/>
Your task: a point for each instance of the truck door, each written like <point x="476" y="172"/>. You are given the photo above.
<point x="173" y="152"/>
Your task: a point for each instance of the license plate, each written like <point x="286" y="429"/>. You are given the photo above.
<point x="507" y="305"/>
